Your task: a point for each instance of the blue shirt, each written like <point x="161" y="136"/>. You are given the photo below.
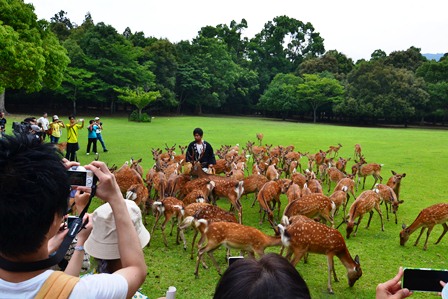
<point x="92" y="133"/>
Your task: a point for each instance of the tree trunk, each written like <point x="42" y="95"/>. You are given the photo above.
<point x="314" y="114"/>
<point x="2" y="100"/>
<point x="198" y="109"/>
<point x="74" y="107"/>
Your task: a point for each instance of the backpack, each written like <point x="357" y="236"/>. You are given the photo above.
<point x="58" y="285"/>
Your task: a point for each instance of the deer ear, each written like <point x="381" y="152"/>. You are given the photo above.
<point x="357" y="259"/>
<point x="404" y="174"/>
<point x="393" y="172"/>
<point x="401" y="201"/>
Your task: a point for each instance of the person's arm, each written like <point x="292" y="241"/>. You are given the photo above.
<point x="189" y="154"/>
<point x="75" y="264"/>
<point x="391" y="289"/>
<point x="132" y="259"/>
<point x="211" y="159"/>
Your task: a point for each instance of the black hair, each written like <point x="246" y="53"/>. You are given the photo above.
<point x="71" y="116"/>
<point x="198" y="131"/>
<point x="271" y="277"/>
<point x="34" y="187"/>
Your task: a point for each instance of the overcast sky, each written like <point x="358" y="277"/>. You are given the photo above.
<point x="353" y="27"/>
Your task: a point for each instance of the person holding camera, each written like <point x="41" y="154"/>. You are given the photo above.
<point x="34" y="188"/>
<point x="72" y="137"/>
<point x="55" y="128"/>
<point x="99" y="135"/>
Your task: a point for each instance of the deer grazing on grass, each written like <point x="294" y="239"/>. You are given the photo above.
<point x="427" y="219"/>
<point x="395" y="182"/>
<point x="231" y="235"/>
<point x="312" y="205"/>
<point x="270" y="192"/>
<point x="366" y="202"/>
<point x="364" y="170"/>
<point x="302" y="237"/>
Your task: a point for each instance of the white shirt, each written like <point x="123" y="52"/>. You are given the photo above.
<point x="44" y="121"/>
<point x="100" y="286"/>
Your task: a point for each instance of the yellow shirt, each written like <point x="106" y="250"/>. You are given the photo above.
<point x="72" y="132"/>
<point x="56" y="127"/>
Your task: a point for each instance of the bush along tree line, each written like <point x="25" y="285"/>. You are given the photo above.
<point x="284" y="71"/>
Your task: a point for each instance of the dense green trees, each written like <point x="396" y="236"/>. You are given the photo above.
<point x="283" y="71"/>
<point x="30" y="54"/>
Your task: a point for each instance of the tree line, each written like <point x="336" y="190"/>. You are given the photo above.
<point x="283" y="71"/>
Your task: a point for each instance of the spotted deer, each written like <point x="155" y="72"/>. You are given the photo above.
<point x="224" y="187"/>
<point x="334" y="149"/>
<point x="395" y="182"/>
<point x="366" y="202"/>
<point x="208" y="212"/>
<point x="270" y="192"/>
<point x="427" y="219"/>
<point x="358" y="150"/>
<point x="169" y="207"/>
<point x="390" y="200"/>
<point x="364" y="170"/>
<point x="312" y="205"/>
<point x="231" y="235"/>
<point x="302" y="237"/>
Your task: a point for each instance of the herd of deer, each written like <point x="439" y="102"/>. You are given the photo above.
<point x="184" y="193"/>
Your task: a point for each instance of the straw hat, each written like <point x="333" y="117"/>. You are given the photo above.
<point x="103" y="242"/>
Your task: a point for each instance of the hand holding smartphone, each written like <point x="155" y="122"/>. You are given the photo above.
<point x="424" y="279"/>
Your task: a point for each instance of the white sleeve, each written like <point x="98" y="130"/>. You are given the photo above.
<point x="100" y="286"/>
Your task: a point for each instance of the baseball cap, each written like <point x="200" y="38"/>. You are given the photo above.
<point x="103" y="240"/>
<point x="97" y="118"/>
<point x="55" y="117"/>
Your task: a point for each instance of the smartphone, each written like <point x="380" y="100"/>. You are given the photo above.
<point x="70" y="220"/>
<point x="232" y="259"/>
<point x="424" y="279"/>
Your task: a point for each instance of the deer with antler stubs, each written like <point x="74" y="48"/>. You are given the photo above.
<point x="366" y="202"/>
<point x="233" y="235"/>
<point x="427" y="219"/>
<point x="302" y="237"/>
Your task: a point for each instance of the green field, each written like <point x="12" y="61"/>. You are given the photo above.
<point x="420" y="153"/>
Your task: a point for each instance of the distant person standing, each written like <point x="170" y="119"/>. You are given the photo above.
<point x="72" y="137"/>
<point x="92" y="137"/>
<point x="98" y="133"/>
<point x="2" y="124"/>
<point x="55" y="127"/>
<point x="44" y="124"/>
<point x="200" y="150"/>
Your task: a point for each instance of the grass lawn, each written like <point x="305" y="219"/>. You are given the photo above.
<point x="420" y="153"/>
